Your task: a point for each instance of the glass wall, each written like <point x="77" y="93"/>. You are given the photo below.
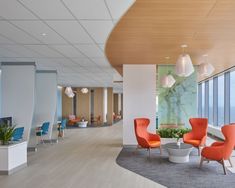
<point x="221" y="100"/>
<point x="210" y="114"/>
<point x="212" y="102"/>
<point x="232" y="97"/>
<point x="203" y="99"/>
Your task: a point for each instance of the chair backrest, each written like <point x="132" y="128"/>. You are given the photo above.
<point x="45" y="127"/>
<point x="18" y="134"/>
<point x="229" y="134"/>
<point x="141" y="132"/>
<point x="199" y="127"/>
<point x="63" y="123"/>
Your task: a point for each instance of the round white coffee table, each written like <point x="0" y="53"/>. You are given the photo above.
<point x="82" y="124"/>
<point x="178" y="154"/>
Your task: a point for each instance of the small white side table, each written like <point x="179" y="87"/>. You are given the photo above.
<point x="178" y="154"/>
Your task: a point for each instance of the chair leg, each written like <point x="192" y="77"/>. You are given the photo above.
<point x="160" y="150"/>
<point x="222" y="162"/>
<point x="149" y="152"/>
<point x="202" y="159"/>
<point x="199" y="151"/>
<point x="230" y="162"/>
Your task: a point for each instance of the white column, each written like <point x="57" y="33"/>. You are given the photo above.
<point x="46" y="99"/>
<point x="18" y="93"/>
<point x="139" y="95"/>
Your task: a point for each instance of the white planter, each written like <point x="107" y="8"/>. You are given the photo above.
<point x="13" y="157"/>
<point x="82" y="124"/>
<point x="169" y="140"/>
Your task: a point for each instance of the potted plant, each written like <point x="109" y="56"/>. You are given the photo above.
<point x="6" y="133"/>
<point x="172" y="134"/>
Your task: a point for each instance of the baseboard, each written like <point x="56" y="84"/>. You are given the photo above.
<point x="9" y="172"/>
<point x="51" y="141"/>
<point x="32" y="149"/>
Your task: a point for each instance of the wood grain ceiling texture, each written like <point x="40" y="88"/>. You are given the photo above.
<point x="154" y="29"/>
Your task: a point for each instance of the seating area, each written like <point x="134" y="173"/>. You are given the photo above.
<point x="218" y="151"/>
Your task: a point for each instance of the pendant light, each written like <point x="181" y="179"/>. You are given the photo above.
<point x="205" y="68"/>
<point x="167" y="80"/>
<point x="84" y="90"/>
<point x="184" y="66"/>
<point x="69" y="92"/>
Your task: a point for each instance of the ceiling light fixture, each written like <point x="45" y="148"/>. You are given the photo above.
<point x="184" y="66"/>
<point x="205" y="68"/>
<point x="44" y="34"/>
<point x="167" y="80"/>
<point x="69" y="92"/>
<point x="84" y="90"/>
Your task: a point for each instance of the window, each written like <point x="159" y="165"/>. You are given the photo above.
<point x="220" y="100"/>
<point x="203" y="99"/>
<point x="232" y="97"/>
<point x="199" y="98"/>
<point x="210" y="102"/>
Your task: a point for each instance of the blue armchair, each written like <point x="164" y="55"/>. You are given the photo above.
<point x="43" y="130"/>
<point x="18" y="134"/>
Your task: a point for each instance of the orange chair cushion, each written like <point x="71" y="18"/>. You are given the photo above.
<point x="154" y="144"/>
<point x="195" y="143"/>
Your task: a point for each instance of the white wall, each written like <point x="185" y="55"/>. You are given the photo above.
<point x="46" y="99"/>
<point x="139" y="98"/>
<point x="18" y="93"/>
<point x="119" y="103"/>
<point x="105" y="104"/>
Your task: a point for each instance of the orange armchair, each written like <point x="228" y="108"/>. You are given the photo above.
<point x="220" y="151"/>
<point x="197" y="137"/>
<point x="144" y="138"/>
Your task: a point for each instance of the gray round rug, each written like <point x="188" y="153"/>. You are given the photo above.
<point x="173" y="175"/>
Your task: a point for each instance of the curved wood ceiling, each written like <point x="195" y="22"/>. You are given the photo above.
<point x="154" y="29"/>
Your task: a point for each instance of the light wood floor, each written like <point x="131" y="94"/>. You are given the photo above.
<point x="84" y="159"/>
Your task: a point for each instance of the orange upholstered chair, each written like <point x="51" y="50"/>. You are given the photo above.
<point x="144" y="138"/>
<point x="220" y="151"/>
<point x="197" y="137"/>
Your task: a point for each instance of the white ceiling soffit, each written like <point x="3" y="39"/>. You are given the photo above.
<point x="66" y="35"/>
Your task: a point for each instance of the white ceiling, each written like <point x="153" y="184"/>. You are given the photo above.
<point x="75" y="35"/>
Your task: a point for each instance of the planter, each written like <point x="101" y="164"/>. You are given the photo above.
<point x="82" y="124"/>
<point x="170" y="140"/>
<point x="13" y="157"/>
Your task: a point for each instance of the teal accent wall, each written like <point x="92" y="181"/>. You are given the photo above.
<point x="178" y="103"/>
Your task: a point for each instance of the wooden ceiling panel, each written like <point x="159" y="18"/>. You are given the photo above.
<point x="154" y="29"/>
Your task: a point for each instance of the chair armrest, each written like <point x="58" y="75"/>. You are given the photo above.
<point x="142" y="142"/>
<point x="213" y="152"/>
<point x="203" y="140"/>
<point x="217" y="144"/>
<point x="187" y="136"/>
<point x="154" y="137"/>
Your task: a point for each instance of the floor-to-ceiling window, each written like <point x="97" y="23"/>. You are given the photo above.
<point x="220" y="100"/>
<point x="232" y="97"/>
<point x="216" y="98"/>
<point x="210" y="102"/>
<point x="203" y="99"/>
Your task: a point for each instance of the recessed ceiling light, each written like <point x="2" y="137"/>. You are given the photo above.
<point x="44" y="34"/>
